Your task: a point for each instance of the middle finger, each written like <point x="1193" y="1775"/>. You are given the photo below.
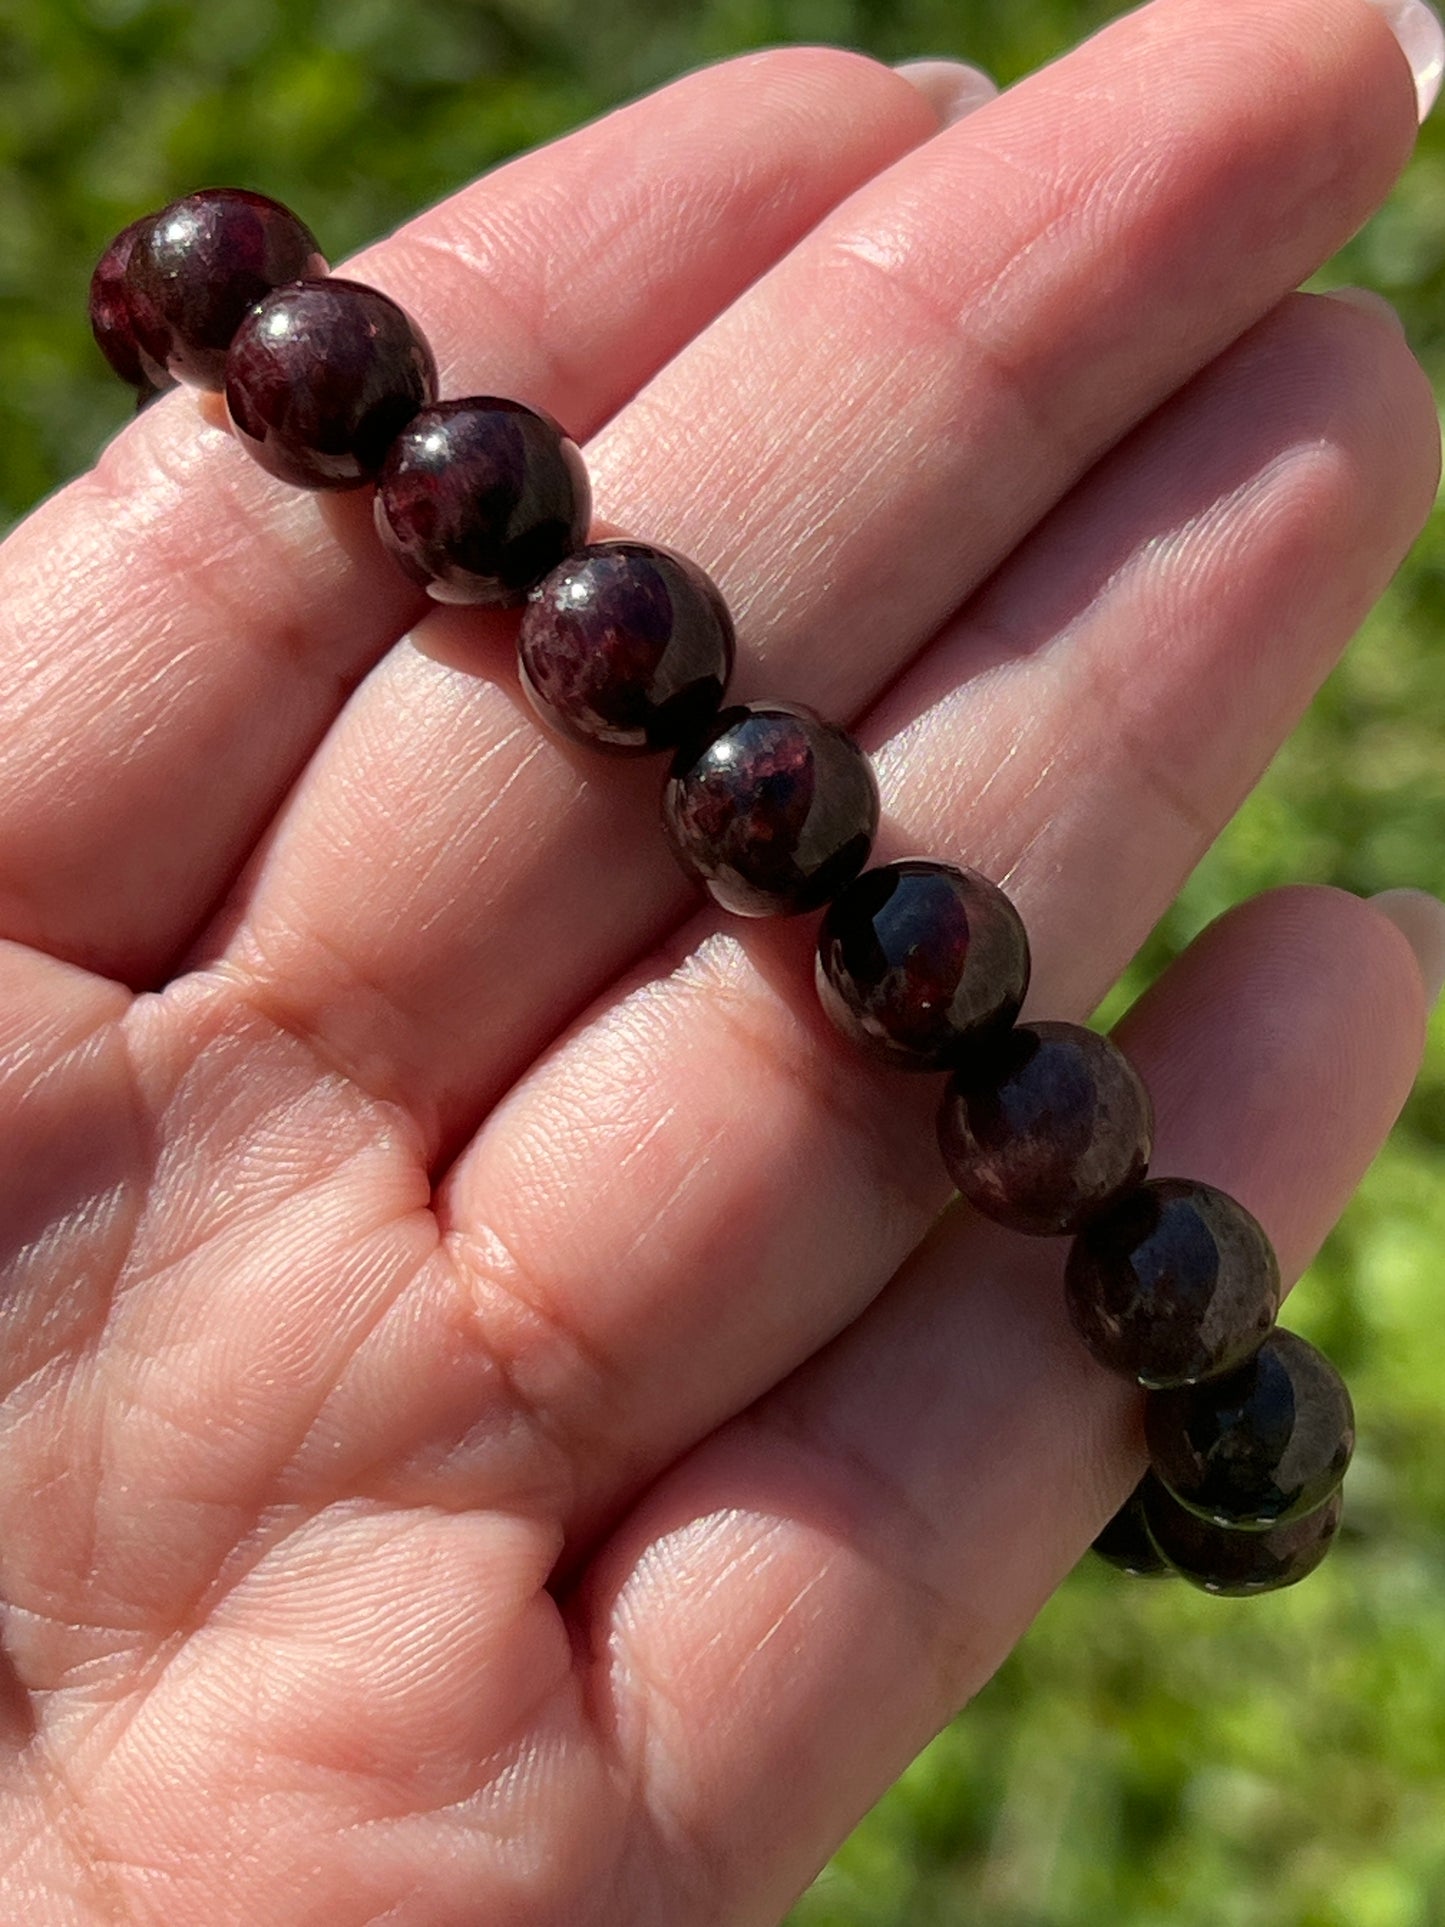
<point x="849" y="450"/>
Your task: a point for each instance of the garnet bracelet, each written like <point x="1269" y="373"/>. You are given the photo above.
<point x="628" y="647"/>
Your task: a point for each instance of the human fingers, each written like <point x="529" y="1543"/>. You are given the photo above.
<point x="851" y="449"/>
<point x="703" y="1183"/>
<point x="811" y="1595"/>
<point x="179" y="628"/>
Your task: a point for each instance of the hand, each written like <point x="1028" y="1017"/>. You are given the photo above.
<point x="487" y="1438"/>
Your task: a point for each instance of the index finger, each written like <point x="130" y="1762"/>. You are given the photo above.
<point x="178" y="629"/>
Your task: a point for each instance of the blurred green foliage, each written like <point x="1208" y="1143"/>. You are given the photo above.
<point x="1149" y="1758"/>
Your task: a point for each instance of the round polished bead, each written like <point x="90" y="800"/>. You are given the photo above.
<point x="1125" y="1541"/>
<point x="112" y="314"/>
<point x="322" y="377"/>
<point x="626" y="646"/>
<point x="1174" y="1283"/>
<point x="918" y="960"/>
<point x="774" y="811"/>
<point x="479" y="498"/>
<point x="1046" y="1127"/>
<point x="1236" y="1564"/>
<point x="1265" y="1444"/>
<point x="202" y="265"/>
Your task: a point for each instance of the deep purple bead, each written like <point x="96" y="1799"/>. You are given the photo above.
<point x="918" y="960"/>
<point x="1265" y="1444"/>
<point x="200" y="267"/>
<point x="1174" y="1283"/>
<point x="112" y="314"/>
<point x="626" y="646"/>
<point x="775" y="811"/>
<point x="1236" y="1564"/>
<point x="322" y="377"/>
<point x="1125" y="1541"/>
<point x="479" y="498"/>
<point x="1046" y="1127"/>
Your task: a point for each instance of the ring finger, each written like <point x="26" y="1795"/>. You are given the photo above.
<point x="814" y="1592"/>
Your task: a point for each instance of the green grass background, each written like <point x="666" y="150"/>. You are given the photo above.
<point x="1149" y="1756"/>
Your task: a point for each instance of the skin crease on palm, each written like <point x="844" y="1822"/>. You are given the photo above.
<point x="495" y="1428"/>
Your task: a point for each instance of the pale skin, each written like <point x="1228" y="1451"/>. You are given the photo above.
<point x="490" y="1435"/>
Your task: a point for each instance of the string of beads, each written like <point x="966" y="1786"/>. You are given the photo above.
<point x="628" y="648"/>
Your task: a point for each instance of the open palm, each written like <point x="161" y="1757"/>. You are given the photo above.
<point x="495" y="1429"/>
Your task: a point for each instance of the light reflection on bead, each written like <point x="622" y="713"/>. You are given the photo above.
<point x="775" y="811"/>
<point x="1046" y="1128"/>
<point x="1174" y="1283"/>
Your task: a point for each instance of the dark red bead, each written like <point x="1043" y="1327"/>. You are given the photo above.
<point x="112" y="314"/>
<point x="1046" y="1127"/>
<point x="479" y="498"/>
<point x="1125" y="1541"/>
<point x="1174" y="1283"/>
<point x="1236" y="1564"/>
<point x="202" y="265"/>
<point x="626" y="646"/>
<point x="1265" y="1444"/>
<point x="918" y="960"/>
<point x="775" y="811"/>
<point x="322" y="378"/>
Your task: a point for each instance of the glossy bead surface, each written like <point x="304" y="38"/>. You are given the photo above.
<point x="1125" y="1541"/>
<point x="626" y="646"/>
<point x="202" y="265"/>
<point x="322" y="377"/>
<point x="1236" y="1564"/>
<point x="112" y="314"/>
<point x="1046" y="1127"/>
<point x="1174" y="1283"/>
<point x="479" y="498"/>
<point x="774" y="811"/>
<point x="918" y="960"/>
<point x="1265" y="1444"/>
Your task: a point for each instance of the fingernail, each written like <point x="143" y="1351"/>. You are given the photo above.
<point x="953" y="88"/>
<point x="1368" y="302"/>
<point x="1417" y="28"/>
<point x="1420" y="919"/>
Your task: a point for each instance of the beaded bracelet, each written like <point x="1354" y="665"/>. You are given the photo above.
<point x="628" y="647"/>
